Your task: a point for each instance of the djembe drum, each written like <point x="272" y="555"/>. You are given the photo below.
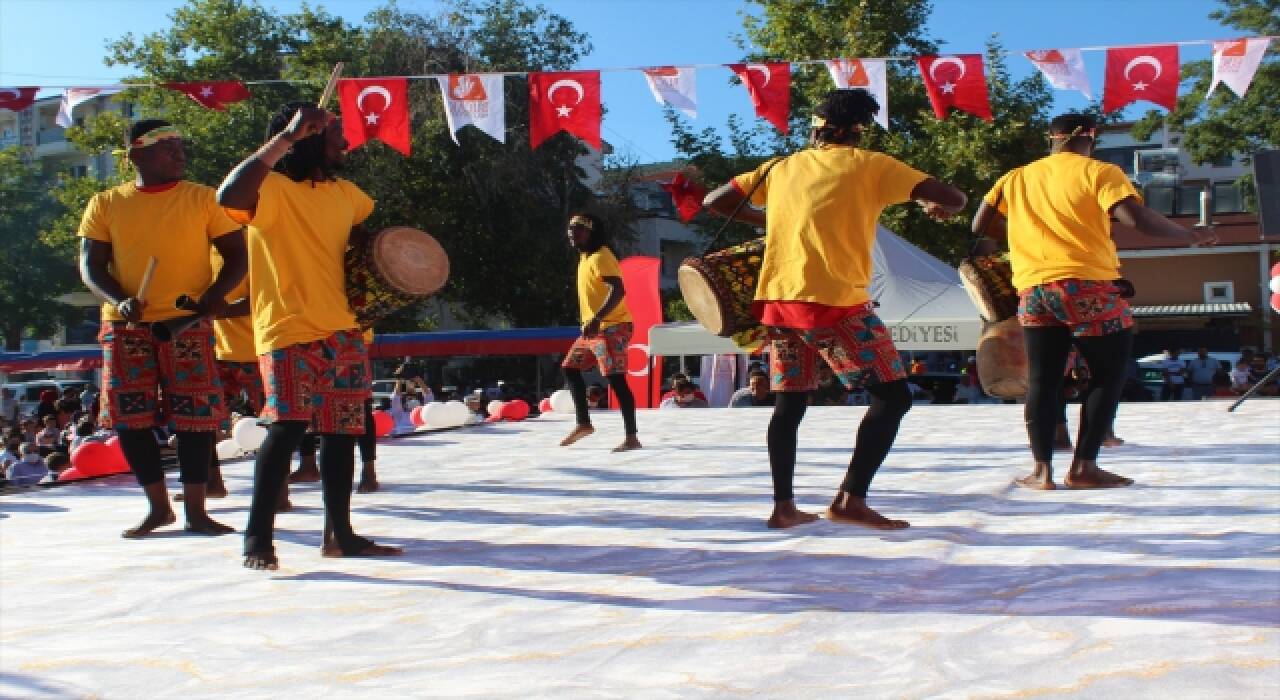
<point x="719" y="287"/>
<point x="1002" y="355"/>
<point x="390" y="270"/>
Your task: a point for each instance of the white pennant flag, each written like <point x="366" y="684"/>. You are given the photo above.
<point x="1235" y="62"/>
<point x="674" y="86"/>
<point x="1063" y="68"/>
<point x="73" y="97"/>
<point x="474" y="99"/>
<point x="865" y="73"/>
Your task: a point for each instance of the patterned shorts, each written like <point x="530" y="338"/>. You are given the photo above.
<point x="858" y="349"/>
<point x="1088" y="307"/>
<point x="242" y="378"/>
<point x="324" y="382"/>
<point x="148" y="383"/>
<point x="608" y="350"/>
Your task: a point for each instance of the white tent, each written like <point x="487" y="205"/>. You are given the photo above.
<point x="921" y="300"/>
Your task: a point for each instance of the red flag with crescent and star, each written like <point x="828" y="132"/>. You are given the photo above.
<point x="956" y="81"/>
<point x="686" y="195"/>
<point x="1135" y="73"/>
<point x="17" y="98"/>
<point x="769" y="85"/>
<point x="564" y="101"/>
<point x="375" y="108"/>
<point x="213" y="94"/>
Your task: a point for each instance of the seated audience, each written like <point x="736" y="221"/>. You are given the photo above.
<point x="30" y="470"/>
<point x="755" y="393"/>
<point x="684" y="395"/>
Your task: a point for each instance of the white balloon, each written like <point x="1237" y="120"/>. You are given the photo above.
<point x="229" y="449"/>
<point x="457" y="415"/>
<point x="248" y="434"/>
<point x="495" y="407"/>
<point x="1275" y="285"/>
<point x="562" y="401"/>
<point x="435" y="415"/>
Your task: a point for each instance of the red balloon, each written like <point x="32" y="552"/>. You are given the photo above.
<point x="415" y="416"/>
<point x="98" y="459"/>
<point x="71" y="474"/>
<point x="1275" y="302"/>
<point x="515" y="410"/>
<point x="493" y="419"/>
<point x="1275" y="270"/>
<point x="113" y="440"/>
<point x="544" y="406"/>
<point x="382" y="423"/>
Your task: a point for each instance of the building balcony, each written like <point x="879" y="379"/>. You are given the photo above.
<point x="53" y="141"/>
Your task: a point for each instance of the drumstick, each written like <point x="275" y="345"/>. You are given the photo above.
<point x="331" y="85"/>
<point x="147" y="274"/>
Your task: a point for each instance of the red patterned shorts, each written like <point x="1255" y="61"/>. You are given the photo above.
<point x="608" y="350"/>
<point x="858" y="349"/>
<point x="324" y="382"/>
<point x="242" y="379"/>
<point x="147" y="383"/>
<point x="1088" y="307"/>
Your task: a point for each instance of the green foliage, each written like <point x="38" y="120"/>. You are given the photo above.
<point x="1224" y="124"/>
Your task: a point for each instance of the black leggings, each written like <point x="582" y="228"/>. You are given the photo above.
<point x="368" y="442"/>
<point x="271" y="470"/>
<point x="617" y="382"/>
<point x="890" y="401"/>
<point x="195" y="452"/>
<point x="1047" y="349"/>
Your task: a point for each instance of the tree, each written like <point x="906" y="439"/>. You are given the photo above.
<point x="961" y="149"/>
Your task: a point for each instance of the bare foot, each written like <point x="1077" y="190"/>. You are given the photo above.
<point x="368" y="548"/>
<point x="262" y="561"/>
<point x="578" y="433"/>
<point x="631" y="443"/>
<point x="785" y="514"/>
<point x="1040" y="479"/>
<point x="204" y="525"/>
<point x="216" y="489"/>
<point x="1091" y="477"/>
<point x="304" y="474"/>
<point x="851" y="510"/>
<point x="149" y="524"/>
<point x="1112" y="441"/>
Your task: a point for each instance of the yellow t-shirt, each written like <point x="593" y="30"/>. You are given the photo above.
<point x="1059" y="218"/>
<point x="593" y="292"/>
<point x="821" y="207"/>
<point x="175" y="225"/>
<point x="297" y="241"/>
<point x="234" y="335"/>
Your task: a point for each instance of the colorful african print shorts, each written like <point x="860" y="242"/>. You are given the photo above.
<point x="324" y="382"/>
<point x="242" y="380"/>
<point x="608" y="350"/>
<point x="1088" y="307"/>
<point x="147" y="383"/>
<point x="858" y="349"/>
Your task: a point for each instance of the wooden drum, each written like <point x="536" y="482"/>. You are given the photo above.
<point x="392" y="269"/>
<point x="719" y="287"/>
<point x="1002" y="360"/>
<point x="989" y="281"/>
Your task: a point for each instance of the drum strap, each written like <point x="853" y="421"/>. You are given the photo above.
<point x="715" y="240"/>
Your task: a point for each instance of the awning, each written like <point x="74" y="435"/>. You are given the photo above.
<point x="1166" y="310"/>
<point x="80" y="359"/>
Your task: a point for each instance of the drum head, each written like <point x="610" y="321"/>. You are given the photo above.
<point x="410" y="260"/>
<point x="701" y="299"/>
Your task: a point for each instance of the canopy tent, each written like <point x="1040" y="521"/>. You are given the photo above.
<point x="920" y="297"/>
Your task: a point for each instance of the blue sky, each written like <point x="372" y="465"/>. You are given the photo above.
<point x="60" y="42"/>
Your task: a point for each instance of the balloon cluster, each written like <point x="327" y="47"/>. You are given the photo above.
<point x="515" y="409"/>
<point x="449" y="414"/>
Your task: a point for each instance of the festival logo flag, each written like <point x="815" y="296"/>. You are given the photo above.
<point x="17" y="99"/>
<point x="1141" y="73"/>
<point x="956" y="81"/>
<point x="1235" y="62"/>
<point x="644" y="301"/>
<point x="687" y="196"/>
<point x="213" y="94"/>
<point x="1063" y="68"/>
<point x="74" y="97"/>
<point x="674" y="86"/>
<point x="769" y="85"/>
<point x="865" y="73"/>
<point x="375" y="108"/>
<point x="564" y="101"/>
<point x="477" y="100"/>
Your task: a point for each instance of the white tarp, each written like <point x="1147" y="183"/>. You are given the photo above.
<point x="920" y="298"/>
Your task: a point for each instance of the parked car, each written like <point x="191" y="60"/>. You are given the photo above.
<point x="1151" y="367"/>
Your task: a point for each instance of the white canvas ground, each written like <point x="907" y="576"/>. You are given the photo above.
<point x="539" y="571"/>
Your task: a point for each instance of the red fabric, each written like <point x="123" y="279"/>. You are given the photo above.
<point x="640" y="279"/>
<point x="213" y="94"/>
<point x="805" y="315"/>
<point x="375" y="108"/>
<point x="769" y="85"/>
<point x="17" y="98"/>
<point x="565" y="101"/>
<point x="1135" y="73"/>
<point x="687" y="196"/>
<point x="956" y="81"/>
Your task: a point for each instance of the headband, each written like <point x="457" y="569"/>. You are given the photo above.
<point x="1092" y="133"/>
<point x="156" y="135"/>
<point x="582" y="221"/>
<point x="818" y="122"/>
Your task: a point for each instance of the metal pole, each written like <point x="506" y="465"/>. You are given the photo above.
<point x="1254" y="389"/>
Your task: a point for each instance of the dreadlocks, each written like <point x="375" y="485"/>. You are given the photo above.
<point x="595" y="225"/>
<point x="842" y="115"/>
<point x="1071" y="131"/>
<point x="307" y="157"/>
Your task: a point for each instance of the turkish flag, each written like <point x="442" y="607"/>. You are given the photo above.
<point x="375" y="108"/>
<point x="213" y="95"/>
<point x="687" y="196"/>
<point x="564" y="101"/>
<point x="1141" y="73"/>
<point x="640" y="279"/>
<point x="769" y="85"/>
<point x="956" y="81"/>
<point x="17" y="98"/>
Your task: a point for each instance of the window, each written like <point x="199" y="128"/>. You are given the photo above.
<point x="673" y="253"/>
<point x="1160" y="198"/>
<point x="1220" y="292"/>
<point x="126" y="110"/>
<point x="1226" y="198"/>
<point x="1189" y="199"/>
<point x="78" y="170"/>
<point x="1223" y="161"/>
<point x="1122" y="157"/>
